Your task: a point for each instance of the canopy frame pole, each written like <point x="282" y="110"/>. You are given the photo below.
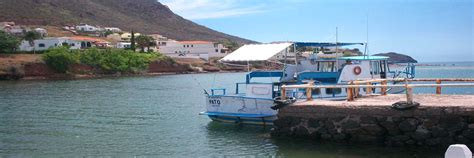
<point x="337" y="57"/>
<point x="248" y="66"/>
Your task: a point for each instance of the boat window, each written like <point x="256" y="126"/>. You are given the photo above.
<point x="333" y="91"/>
<point x="326" y="66"/>
<point x="316" y="91"/>
<point x="375" y="67"/>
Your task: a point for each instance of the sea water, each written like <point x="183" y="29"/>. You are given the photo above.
<point x="157" y="117"/>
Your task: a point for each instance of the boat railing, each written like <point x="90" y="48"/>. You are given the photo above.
<point x="353" y="87"/>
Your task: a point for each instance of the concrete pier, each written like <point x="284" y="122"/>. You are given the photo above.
<point x="440" y="120"/>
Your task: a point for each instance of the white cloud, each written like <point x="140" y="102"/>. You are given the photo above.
<point x="208" y="9"/>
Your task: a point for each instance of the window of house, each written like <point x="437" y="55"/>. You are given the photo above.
<point x="184" y="46"/>
<point x="217" y="50"/>
<point x="192" y="45"/>
<point x="73" y="44"/>
<point x="55" y="44"/>
<point x="176" y="52"/>
<point x="41" y="45"/>
<point x="222" y="51"/>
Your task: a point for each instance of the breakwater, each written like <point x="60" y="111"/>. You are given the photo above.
<point x="440" y="120"/>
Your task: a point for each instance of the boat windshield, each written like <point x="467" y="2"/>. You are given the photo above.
<point x="326" y="66"/>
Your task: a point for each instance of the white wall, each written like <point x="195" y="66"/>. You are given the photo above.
<point x="201" y="49"/>
<point x="44" y="44"/>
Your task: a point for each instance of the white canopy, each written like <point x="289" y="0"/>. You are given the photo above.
<point x="256" y="52"/>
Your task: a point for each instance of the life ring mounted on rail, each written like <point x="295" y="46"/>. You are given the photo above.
<point x="357" y="70"/>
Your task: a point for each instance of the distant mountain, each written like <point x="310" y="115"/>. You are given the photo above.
<point x="397" y="58"/>
<point x="146" y="16"/>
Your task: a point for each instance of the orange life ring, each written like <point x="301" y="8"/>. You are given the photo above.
<point x="357" y="70"/>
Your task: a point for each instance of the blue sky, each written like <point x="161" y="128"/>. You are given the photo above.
<point x="428" y="30"/>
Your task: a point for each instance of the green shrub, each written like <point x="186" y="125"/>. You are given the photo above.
<point x="108" y="60"/>
<point x="60" y="59"/>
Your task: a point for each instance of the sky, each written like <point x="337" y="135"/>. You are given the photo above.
<point x="427" y="30"/>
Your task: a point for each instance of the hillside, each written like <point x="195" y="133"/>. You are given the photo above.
<point x="146" y="16"/>
<point x="397" y="58"/>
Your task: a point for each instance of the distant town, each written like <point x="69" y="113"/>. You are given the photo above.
<point x="84" y="36"/>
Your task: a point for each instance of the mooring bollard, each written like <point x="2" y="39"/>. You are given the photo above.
<point x="409" y="95"/>
<point x="438" y="89"/>
<point x="384" y="88"/>
<point x="283" y="92"/>
<point x="309" y="92"/>
<point x="368" y="90"/>
<point x="458" y="151"/>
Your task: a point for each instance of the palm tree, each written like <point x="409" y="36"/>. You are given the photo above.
<point x="31" y="36"/>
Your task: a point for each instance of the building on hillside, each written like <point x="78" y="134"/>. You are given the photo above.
<point x="158" y="37"/>
<point x="86" y="28"/>
<point x="123" y="45"/>
<point x="191" y="49"/>
<point x="88" y="42"/>
<point x="113" y="29"/>
<point x="44" y="44"/>
<point x="76" y="42"/>
<point x="127" y="36"/>
<point x="114" y="37"/>
<point x="41" y="31"/>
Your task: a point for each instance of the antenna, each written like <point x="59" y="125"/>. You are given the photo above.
<point x="366" y="50"/>
<point x="337" y="56"/>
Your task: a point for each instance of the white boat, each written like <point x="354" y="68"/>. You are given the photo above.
<point x="253" y="103"/>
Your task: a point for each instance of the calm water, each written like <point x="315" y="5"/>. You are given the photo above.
<point x="153" y="117"/>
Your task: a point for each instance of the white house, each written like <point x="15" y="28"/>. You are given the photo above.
<point x="86" y="28"/>
<point x="123" y="45"/>
<point x="44" y="44"/>
<point x="113" y="29"/>
<point x="191" y="49"/>
<point x="41" y="31"/>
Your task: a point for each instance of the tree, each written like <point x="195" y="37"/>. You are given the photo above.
<point x="231" y="45"/>
<point x="31" y="36"/>
<point x="8" y="43"/>
<point x="144" y="41"/>
<point x="132" y="41"/>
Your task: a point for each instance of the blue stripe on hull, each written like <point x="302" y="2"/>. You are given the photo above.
<point x="236" y="120"/>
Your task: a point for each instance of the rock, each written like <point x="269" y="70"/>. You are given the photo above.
<point x="326" y="136"/>
<point x="373" y="129"/>
<point x="350" y="124"/>
<point x="433" y="141"/>
<point x="315" y="135"/>
<point x="295" y="121"/>
<point x="430" y="123"/>
<point x="420" y="134"/>
<point x="410" y="142"/>
<point x="340" y="137"/>
<point x="301" y="131"/>
<point x="470" y="126"/>
<point x="368" y="120"/>
<point x="452" y="124"/>
<point x="390" y="127"/>
<point x="469" y="134"/>
<point x="282" y="122"/>
<point x="438" y="132"/>
<point x="408" y="125"/>
<point x="461" y="140"/>
<point x="313" y="123"/>
<point x="364" y="138"/>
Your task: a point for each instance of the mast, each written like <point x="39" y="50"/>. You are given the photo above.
<point x="366" y="53"/>
<point x="337" y="57"/>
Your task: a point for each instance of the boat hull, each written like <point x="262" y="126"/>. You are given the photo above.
<point x="240" y="110"/>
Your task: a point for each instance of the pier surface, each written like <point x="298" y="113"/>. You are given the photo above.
<point x="440" y="120"/>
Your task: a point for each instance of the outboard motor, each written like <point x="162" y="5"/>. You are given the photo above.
<point x="279" y="102"/>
